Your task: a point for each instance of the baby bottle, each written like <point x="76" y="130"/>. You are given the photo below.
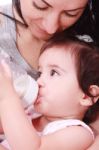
<point x="24" y="84"/>
<point x="27" y="88"/>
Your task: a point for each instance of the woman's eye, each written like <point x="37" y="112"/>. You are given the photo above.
<point x="40" y="6"/>
<point x="53" y="72"/>
<point x="70" y="14"/>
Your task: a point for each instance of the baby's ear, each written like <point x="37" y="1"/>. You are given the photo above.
<point x="94" y="90"/>
<point x="89" y="101"/>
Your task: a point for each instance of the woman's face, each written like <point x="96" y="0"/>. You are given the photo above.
<point x="45" y="17"/>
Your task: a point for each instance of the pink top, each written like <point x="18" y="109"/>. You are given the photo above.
<point x="57" y="125"/>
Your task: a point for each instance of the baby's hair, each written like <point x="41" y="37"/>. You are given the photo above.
<point x="86" y="57"/>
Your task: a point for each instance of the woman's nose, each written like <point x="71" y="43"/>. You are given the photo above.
<point x="51" y="23"/>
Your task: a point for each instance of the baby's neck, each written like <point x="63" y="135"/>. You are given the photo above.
<point x="40" y="123"/>
<point x="95" y="125"/>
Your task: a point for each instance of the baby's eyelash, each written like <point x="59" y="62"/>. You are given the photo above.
<point x="39" y="73"/>
<point x="53" y="72"/>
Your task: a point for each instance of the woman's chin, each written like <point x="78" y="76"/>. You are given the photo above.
<point x="42" y="37"/>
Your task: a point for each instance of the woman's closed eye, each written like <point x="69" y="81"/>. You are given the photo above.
<point x="40" y="6"/>
<point x="71" y="13"/>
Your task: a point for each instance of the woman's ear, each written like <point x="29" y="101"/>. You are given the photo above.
<point x="89" y="101"/>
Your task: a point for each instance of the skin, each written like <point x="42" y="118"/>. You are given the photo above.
<point x="95" y="145"/>
<point x="95" y="126"/>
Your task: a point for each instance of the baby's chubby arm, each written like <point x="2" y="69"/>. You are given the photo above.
<point x="6" y="83"/>
<point x="2" y="89"/>
<point x="17" y="127"/>
<point x="2" y="148"/>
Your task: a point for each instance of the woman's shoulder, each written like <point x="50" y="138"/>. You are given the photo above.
<point x="5" y="10"/>
<point x="1" y="16"/>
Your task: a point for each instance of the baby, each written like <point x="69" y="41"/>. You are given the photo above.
<point x="67" y="99"/>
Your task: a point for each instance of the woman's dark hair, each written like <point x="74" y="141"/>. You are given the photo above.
<point x="16" y="4"/>
<point x="87" y="66"/>
<point x="96" y="15"/>
<point x="86" y="25"/>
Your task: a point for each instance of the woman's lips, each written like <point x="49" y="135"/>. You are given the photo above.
<point x="42" y="31"/>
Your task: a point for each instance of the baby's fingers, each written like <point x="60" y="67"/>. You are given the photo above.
<point x="5" y="69"/>
<point x="6" y="82"/>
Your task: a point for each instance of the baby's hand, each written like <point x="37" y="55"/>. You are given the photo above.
<point x="6" y="83"/>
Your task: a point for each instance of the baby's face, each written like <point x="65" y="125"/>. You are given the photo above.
<point x="58" y="85"/>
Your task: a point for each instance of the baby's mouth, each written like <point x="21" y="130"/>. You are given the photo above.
<point x="38" y="100"/>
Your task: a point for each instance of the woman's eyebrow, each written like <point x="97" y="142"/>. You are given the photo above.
<point x="46" y="3"/>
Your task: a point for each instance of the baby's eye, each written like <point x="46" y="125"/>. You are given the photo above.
<point x="41" y="6"/>
<point x="53" y="72"/>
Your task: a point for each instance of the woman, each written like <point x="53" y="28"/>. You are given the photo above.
<point x="25" y="30"/>
<point x="33" y="26"/>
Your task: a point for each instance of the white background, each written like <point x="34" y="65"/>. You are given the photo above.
<point x="3" y="2"/>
